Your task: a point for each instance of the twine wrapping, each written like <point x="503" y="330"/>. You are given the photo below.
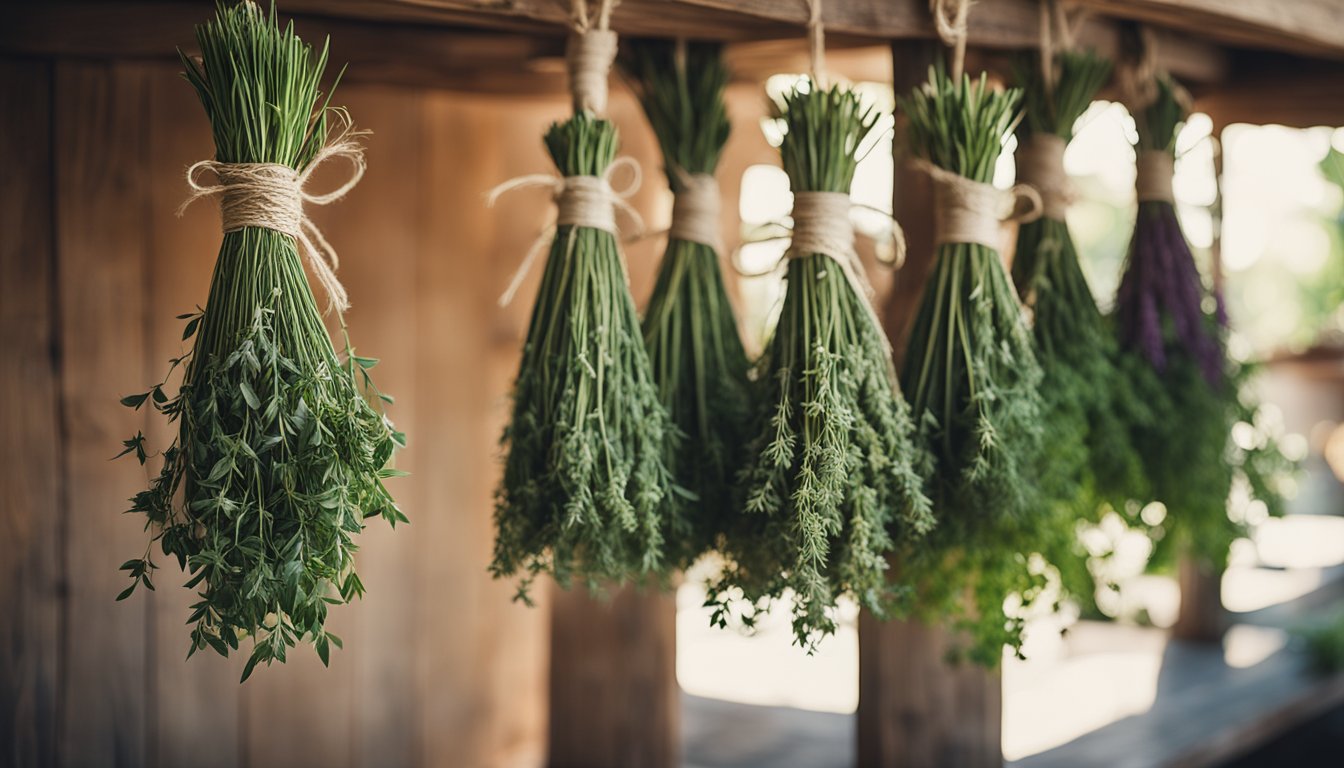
<point x="1040" y="165"/>
<point x="695" y="209"/>
<point x="589" y="55"/>
<point x="821" y="225"/>
<point x="272" y="196"/>
<point x="581" y="201"/>
<point x="1156" y="168"/>
<point x="966" y="211"/>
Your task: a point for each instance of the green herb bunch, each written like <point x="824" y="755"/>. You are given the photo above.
<point x="974" y="383"/>
<point x="833" y="472"/>
<point x="585" y="489"/>
<point x="1088" y="459"/>
<point x="279" y="456"/>
<point x="699" y="364"/>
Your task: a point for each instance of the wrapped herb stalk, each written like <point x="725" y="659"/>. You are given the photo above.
<point x="971" y="373"/>
<point x="833" y="476"/>
<point x="1088" y="458"/>
<point x="585" y="489"/>
<point x="1172" y="331"/>
<point x="279" y="456"/>
<point x="699" y="365"/>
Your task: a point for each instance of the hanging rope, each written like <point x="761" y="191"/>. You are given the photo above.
<point x="589" y="55"/>
<point x="949" y="19"/>
<point x="816" y="39"/>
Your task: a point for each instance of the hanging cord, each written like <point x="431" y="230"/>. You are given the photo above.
<point x="1040" y="157"/>
<point x="949" y="19"/>
<point x="272" y="196"/>
<point x="1137" y="78"/>
<point x="589" y="55"/>
<point x="816" y="42"/>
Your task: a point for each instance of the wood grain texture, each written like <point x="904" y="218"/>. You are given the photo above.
<point x="196" y="704"/>
<point x="101" y="195"/>
<point x="31" y="519"/>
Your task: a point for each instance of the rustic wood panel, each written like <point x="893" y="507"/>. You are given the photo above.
<point x="32" y="517"/>
<point x="1201" y="617"/>
<point x="101" y="197"/>
<point x="197" y="703"/>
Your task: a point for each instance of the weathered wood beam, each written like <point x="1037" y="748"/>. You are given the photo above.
<point x="1310" y="27"/>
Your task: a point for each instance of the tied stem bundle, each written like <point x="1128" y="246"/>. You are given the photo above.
<point x="833" y="477"/>
<point x="585" y="489"/>
<point x="699" y="364"/>
<point x="971" y="373"/>
<point x="279" y="456"/>
<point x="1089" y="458"/>
<point x="1172" y="332"/>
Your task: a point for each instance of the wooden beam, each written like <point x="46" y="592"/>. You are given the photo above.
<point x="1310" y="27"/>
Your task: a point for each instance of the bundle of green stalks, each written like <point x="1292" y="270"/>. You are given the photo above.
<point x="974" y="384"/>
<point x="1088" y="460"/>
<point x="1173" y="333"/>
<point x="833" y="476"/>
<point x="585" y="490"/>
<point x="699" y="365"/>
<point x="279" y="456"/>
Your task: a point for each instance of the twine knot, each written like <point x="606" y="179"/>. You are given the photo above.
<point x="968" y="211"/>
<point x="589" y="55"/>
<point x="1040" y="165"/>
<point x="1155" y="170"/>
<point x="272" y="196"/>
<point x="581" y="201"/>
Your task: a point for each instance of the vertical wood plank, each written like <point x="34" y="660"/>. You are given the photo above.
<point x="1201" y="617"/>
<point x="197" y="703"/>
<point x="101" y="197"/>
<point x="31" y="597"/>
<point x="915" y="709"/>
<point x="377" y="229"/>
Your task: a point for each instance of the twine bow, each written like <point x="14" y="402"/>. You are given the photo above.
<point x="581" y="201"/>
<point x="272" y="196"/>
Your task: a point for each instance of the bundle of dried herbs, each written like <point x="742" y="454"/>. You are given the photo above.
<point x="585" y="491"/>
<point x="699" y="364"/>
<point x="834" y="478"/>
<point x="972" y="376"/>
<point x="1172" y="329"/>
<point x="279" y="456"/>
<point x="1088" y="458"/>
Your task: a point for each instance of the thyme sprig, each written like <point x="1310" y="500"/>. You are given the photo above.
<point x="834" y="478"/>
<point x="974" y="384"/>
<point x="279" y="456"/>
<point x="1087" y="404"/>
<point x="585" y="490"/>
<point x="699" y="364"/>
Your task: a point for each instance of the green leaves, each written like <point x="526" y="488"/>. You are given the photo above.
<point x="280" y="454"/>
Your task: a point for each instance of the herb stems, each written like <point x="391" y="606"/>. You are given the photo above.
<point x="279" y="456"/>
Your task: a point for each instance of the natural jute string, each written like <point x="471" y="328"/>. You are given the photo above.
<point x="272" y="196"/>
<point x="1040" y="165"/>
<point x="589" y="54"/>
<point x="1156" y="168"/>
<point x="695" y="209"/>
<point x="967" y="211"/>
<point x="581" y="201"/>
<point x="949" y="19"/>
<point x="816" y="43"/>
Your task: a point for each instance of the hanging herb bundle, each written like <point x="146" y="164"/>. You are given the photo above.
<point x="1172" y="331"/>
<point x="279" y="456"/>
<point x="1088" y="458"/>
<point x="699" y="364"/>
<point x="971" y="374"/>
<point x="585" y="490"/>
<point x="833" y="471"/>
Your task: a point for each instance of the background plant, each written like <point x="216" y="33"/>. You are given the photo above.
<point x="279" y="456"/>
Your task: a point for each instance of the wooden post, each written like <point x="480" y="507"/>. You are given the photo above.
<point x="614" y="695"/>
<point x="916" y="710"/>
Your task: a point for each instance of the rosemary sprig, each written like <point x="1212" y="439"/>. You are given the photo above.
<point x="699" y="364"/>
<point x="1089" y="458"/>
<point x="833" y="476"/>
<point x="585" y="489"/>
<point x="279" y="457"/>
<point x="974" y="382"/>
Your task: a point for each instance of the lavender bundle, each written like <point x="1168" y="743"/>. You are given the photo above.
<point x="972" y="375"/>
<point x="699" y="364"/>
<point x="1172" y="330"/>
<point x="282" y="445"/>
<point x="585" y="489"/>
<point x="1089" y="458"/>
<point x="833" y="476"/>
